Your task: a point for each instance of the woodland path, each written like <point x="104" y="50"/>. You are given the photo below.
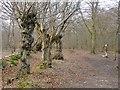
<point x="79" y="70"/>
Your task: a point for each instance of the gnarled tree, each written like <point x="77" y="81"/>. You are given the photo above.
<point x="25" y="15"/>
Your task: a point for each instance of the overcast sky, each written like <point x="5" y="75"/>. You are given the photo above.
<point x="105" y="4"/>
<point x="108" y="3"/>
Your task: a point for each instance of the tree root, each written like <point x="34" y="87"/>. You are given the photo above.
<point x="58" y="56"/>
<point x="45" y="65"/>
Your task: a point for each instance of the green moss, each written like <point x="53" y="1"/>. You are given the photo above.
<point x="14" y="63"/>
<point x="3" y="64"/>
<point x="43" y="65"/>
<point x="0" y="64"/>
<point x="16" y="57"/>
<point x="25" y="84"/>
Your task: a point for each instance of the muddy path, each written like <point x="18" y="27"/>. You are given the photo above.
<point x="79" y="69"/>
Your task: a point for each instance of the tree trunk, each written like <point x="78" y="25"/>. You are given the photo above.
<point x="27" y="41"/>
<point x="117" y="37"/>
<point x="13" y="38"/>
<point x="58" y="50"/>
<point x="93" y="38"/>
<point x="49" y="56"/>
<point x="46" y="51"/>
<point x="25" y="66"/>
<point x="93" y="33"/>
<point x="28" y="25"/>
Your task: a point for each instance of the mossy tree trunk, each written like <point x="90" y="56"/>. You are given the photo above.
<point x="93" y="32"/>
<point x="117" y="37"/>
<point x="93" y="39"/>
<point x="13" y="38"/>
<point x="46" y="50"/>
<point x="44" y="47"/>
<point x="58" y="48"/>
<point x="28" y="25"/>
<point x="49" y="59"/>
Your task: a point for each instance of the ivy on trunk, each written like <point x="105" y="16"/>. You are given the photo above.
<point x="28" y="25"/>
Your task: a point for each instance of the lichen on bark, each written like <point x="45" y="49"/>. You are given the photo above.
<point x="28" y="25"/>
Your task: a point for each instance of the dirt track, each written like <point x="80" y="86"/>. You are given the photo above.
<point x="79" y="70"/>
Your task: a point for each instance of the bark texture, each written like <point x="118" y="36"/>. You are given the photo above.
<point x="46" y="50"/>
<point x="58" y="48"/>
<point x="93" y="32"/>
<point x="28" y="25"/>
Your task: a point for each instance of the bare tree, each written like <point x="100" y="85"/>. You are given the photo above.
<point x="25" y="15"/>
<point x="92" y="31"/>
<point x="65" y="17"/>
<point x="118" y="30"/>
<point x="51" y="25"/>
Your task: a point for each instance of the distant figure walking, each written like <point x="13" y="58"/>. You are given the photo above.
<point x="105" y="51"/>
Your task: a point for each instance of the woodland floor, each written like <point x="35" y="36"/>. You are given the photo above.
<point x="79" y="69"/>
